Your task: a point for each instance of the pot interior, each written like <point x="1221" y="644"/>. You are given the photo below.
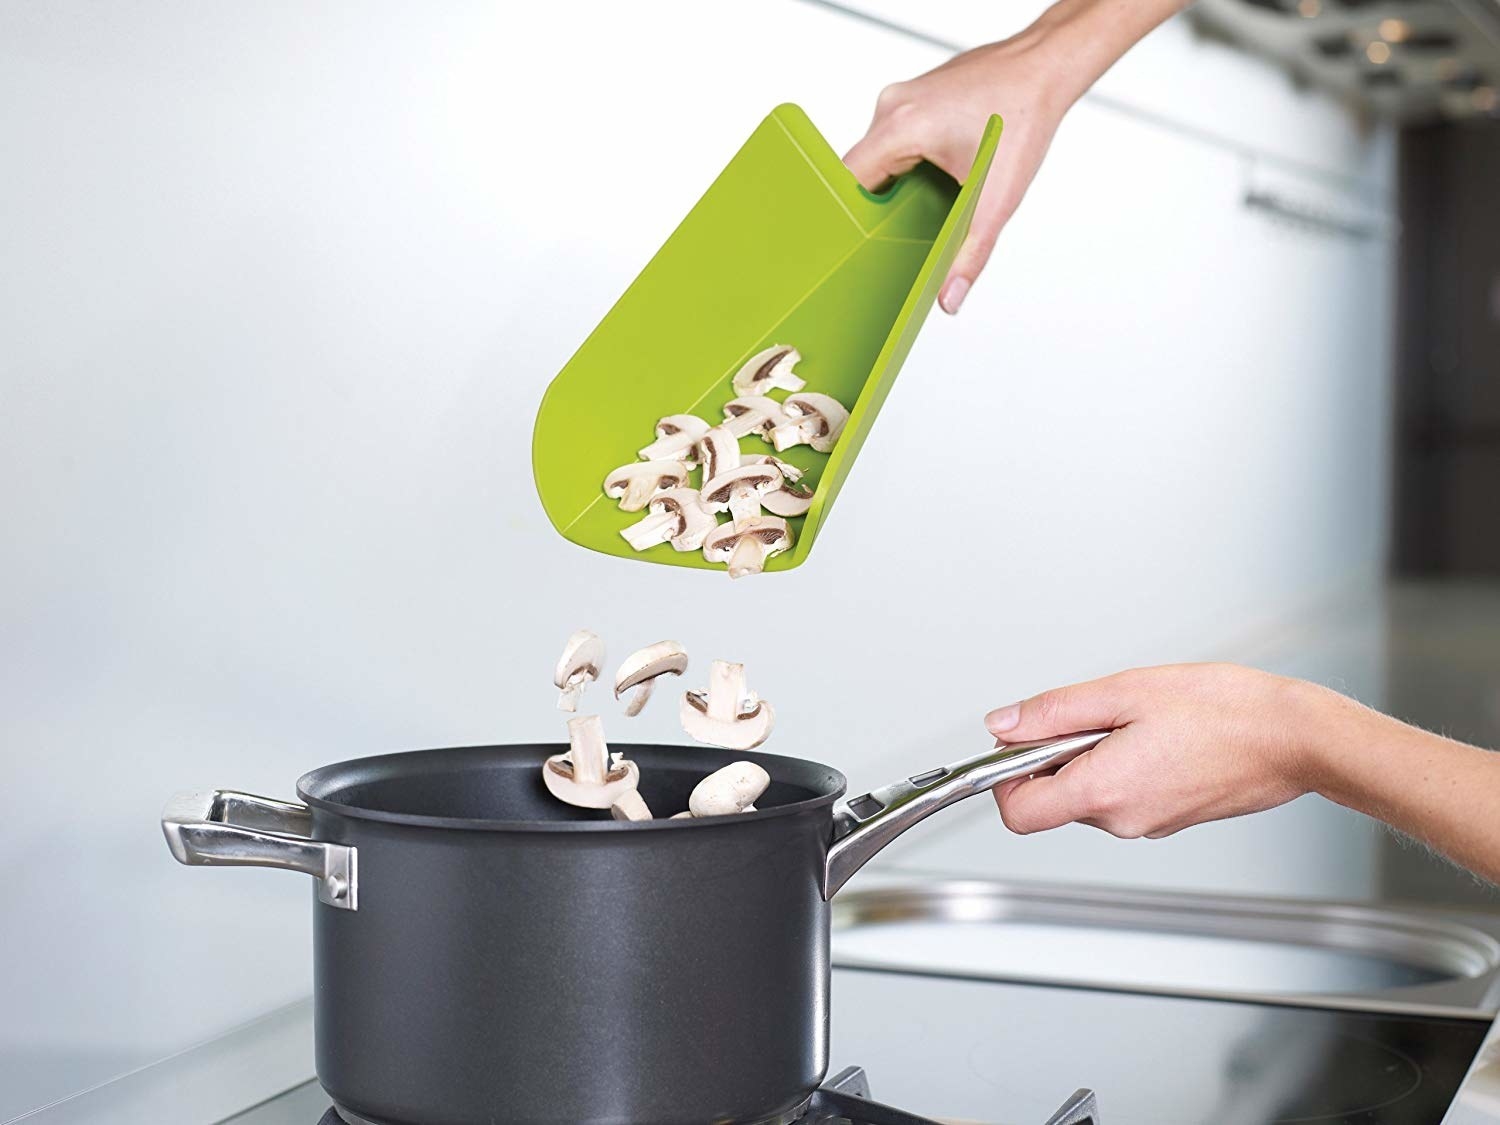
<point x="500" y="787"/>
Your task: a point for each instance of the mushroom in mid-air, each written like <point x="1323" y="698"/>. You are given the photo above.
<point x="640" y="670"/>
<point x="728" y="714"/>
<point x="578" y="666"/>
<point x="586" y="775"/>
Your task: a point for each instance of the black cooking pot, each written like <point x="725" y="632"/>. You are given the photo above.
<point x="487" y="954"/>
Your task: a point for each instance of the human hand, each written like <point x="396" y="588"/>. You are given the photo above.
<point x="940" y="116"/>
<point x="1191" y="743"/>
<point x="1031" y="80"/>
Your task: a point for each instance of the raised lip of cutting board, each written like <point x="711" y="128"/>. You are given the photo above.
<point x="840" y="184"/>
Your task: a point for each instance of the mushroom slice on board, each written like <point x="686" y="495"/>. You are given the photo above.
<point x="791" y="499"/>
<point x="768" y="370"/>
<point x="640" y="670"/>
<point x="676" y="434"/>
<point x="727" y="714"/>
<point x="634" y="484"/>
<point x="814" y="419"/>
<point x="754" y="414"/>
<point x="718" y="451"/>
<point x="677" y="515"/>
<point x="733" y="789"/>
<point x="585" y="776"/>
<point x="579" y="665"/>
<point x="788" y="470"/>
<point x="739" y="491"/>
<point x="746" y="545"/>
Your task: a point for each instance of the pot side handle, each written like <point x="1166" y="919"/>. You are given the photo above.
<point x="863" y="825"/>
<point x="222" y="827"/>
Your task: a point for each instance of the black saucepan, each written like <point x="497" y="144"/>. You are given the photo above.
<point x="486" y="954"/>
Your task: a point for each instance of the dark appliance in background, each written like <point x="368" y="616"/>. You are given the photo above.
<point x="1447" y="487"/>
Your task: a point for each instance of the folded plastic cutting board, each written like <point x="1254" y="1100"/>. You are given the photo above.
<point x="785" y="248"/>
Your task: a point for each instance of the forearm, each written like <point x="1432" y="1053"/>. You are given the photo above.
<point x="1442" y="792"/>
<point x="1094" y="34"/>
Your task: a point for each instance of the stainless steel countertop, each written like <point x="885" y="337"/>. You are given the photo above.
<point x="1478" y="1102"/>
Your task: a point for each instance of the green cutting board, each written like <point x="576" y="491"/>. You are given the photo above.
<point x="785" y="248"/>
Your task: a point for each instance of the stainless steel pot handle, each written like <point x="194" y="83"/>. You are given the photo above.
<point x="863" y="825"/>
<point x="225" y="828"/>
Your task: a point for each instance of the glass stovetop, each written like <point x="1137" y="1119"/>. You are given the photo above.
<point x="1007" y="1054"/>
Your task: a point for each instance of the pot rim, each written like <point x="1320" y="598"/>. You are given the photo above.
<point x="801" y="772"/>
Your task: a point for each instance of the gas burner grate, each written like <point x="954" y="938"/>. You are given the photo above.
<point x="845" y="1100"/>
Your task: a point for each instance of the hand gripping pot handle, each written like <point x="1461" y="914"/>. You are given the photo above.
<point x="225" y="828"/>
<point x="863" y="825"/>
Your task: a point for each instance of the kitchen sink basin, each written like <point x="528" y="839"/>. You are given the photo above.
<point x="1289" y="951"/>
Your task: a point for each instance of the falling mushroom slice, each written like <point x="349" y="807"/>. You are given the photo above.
<point x="676" y="435"/>
<point x="769" y="369"/>
<point x="585" y="776"/>
<point x="677" y="515"/>
<point x="579" y="665"/>
<point x="727" y="715"/>
<point x="754" y="414"/>
<point x="718" y="451"/>
<point x="814" y="419"/>
<point x="746" y="545"/>
<point x="733" y="789"/>
<point x="630" y="806"/>
<point x="634" y="484"/>
<point x="739" y="491"/>
<point x="640" y="670"/>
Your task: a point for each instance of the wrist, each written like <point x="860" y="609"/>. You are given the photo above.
<point x="1081" y="39"/>
<point x="1330" y="734"/>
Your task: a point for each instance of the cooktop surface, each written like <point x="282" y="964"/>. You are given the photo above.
<point x="984" y="1051"/>
<point x="989" y="1053"/>
<point x="845" y="1100"/>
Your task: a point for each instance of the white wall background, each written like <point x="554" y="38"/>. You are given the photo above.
<point x="280" y="285"/>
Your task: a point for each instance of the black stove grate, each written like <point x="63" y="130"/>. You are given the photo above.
<point x="845" y="1100"/>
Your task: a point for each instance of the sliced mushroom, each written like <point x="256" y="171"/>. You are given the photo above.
<point x="640" y="670"/>
<point x="769" y="369"/>
<point x="676" y="434"/>
<point x="791" y="499"/>
<point x="718" y="451"/>
<point x="746" y="545"/>
<point x="788" y="470"/>
<point x="733" y="789"/>
<point x="754" y="414"/>
<point x="739" y="491"/>
<point x="814" y="419"/>
<point x="634" y="484"/>
<point x="585" y="776"/>
<point x="578" y="666"/>
<point x="678" y="515"/>
<point x="727" y="714"/>
<point x="630" y="806"/>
